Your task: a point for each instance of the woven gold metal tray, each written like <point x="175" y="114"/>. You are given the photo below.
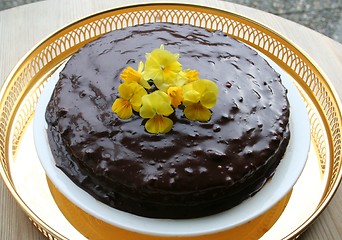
<point x="25" y="178"/>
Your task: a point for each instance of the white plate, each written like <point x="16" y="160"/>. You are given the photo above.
<point x="281" y="183"/>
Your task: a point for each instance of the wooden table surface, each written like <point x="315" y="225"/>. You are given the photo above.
<point x="21" y="28"/>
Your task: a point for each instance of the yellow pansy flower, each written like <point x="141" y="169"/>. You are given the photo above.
<point x="185" y="77"/>
<point x="190" y="75"/>
<point x="198" y="97"/>
<point x="162" y="67"/>
<point x="176" y="96"/>
<point x="131" y="94"/>
<point x="156" y="107"/>
<point x="131" y="75"/>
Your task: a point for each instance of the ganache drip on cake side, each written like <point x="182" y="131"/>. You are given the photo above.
<point x="198" y="168"/>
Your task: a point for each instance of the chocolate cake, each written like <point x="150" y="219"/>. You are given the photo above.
<point x="196" y="169"/>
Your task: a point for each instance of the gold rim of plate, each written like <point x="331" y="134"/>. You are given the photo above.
<point x="25" y="83"/>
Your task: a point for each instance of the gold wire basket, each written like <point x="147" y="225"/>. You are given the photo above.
<point x="24" y="85"/>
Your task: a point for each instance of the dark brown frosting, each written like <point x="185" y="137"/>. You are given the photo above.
<point x="198" y="168"/>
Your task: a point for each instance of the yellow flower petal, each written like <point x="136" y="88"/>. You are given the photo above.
<point x="176" y="95"/>
<point x="164" y="108"/>
<point x="125" y="90"/>
<point x="131" y="75"/>
<point x="162" y="103"/>
<point x="122" y="108"/>
<point x="204" y="85"/>
<point x="203" y="91"/>
<point x="191" y="96"/>
<point x="191" y="75"/>
<point x="138" y="93"/>
<point x="186" y="76"/>
<point x="140" y="67"/>
<point x="157" y="102"/>
<point x="159" y="124"/>
<point x="197" y="112"/>
<point x="144" y="83"/>
<point x="208" y="99"/>
<point x="147" y="110"/>
<point x="152" y="69"/>
<point x="181" y="79"/>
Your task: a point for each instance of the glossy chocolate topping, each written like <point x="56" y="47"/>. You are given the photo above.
<point x="198" y="168"/>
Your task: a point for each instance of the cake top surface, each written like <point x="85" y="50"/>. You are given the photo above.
<point x="245" y="129"/>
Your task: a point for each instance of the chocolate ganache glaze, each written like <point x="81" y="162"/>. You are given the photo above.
<point x="198" y="168"/>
